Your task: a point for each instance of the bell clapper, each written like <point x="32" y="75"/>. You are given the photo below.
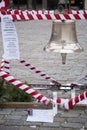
<point x="63" y="57"/>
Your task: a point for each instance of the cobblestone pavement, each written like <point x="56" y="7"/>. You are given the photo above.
<point x="33" y="37"/>
<point x="15" y="119"/>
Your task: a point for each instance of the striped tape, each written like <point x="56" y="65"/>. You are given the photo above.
<point x="26" y="15"/>
<point x="72" y="102"/>
<point x="10" y="79"/>
<point x="64" y="103"/>
<point x="5" y="66"/>
<point x="39" y="72"/>
<point x="70" y="11"/>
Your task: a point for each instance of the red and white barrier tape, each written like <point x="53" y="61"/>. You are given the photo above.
<point x="67" y="104"/>
<point x="51" y="16"/>
<point x="39" y="72"/>
<point x="10" y="79"/>
<point x="15" y="11"/>
<point x="5" y="66"/>
<point x="71" y="102"/>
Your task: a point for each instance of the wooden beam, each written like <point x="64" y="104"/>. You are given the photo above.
<point x="24" y="105"/>
<point x="34" y="105"/>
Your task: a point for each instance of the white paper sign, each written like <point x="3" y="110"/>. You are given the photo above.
<point x="10" y="39"/>
<point x="41" y="115"/>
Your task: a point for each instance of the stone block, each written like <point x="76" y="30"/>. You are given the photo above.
<point x="72" y="125"/>
<point x="9" y="128"/>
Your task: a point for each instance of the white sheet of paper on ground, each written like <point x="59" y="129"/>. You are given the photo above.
<point x="41" y="115"/>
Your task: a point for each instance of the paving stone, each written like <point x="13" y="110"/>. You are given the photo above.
<point x="77" y="120"/>
<point x="54" y="124"/>
<point x="85" y="110"/>
<point x="77" y="111"/>
<point x="45" y="128"/>
<point x="58" y="119"/>
<point x="68" y="114"/>
<point x="72" y="125"/>
<point x="28" y="128"/>
<point x="21" y="110"/>
<point x="5" y="111"/>
<point x="27" y="123"/>
<point x="20" y="113"/>
<point x="2" y="121"/>
<point x="84" y="115"/>
<point x="9" y="117"/>
<point x="9" y="128"/>
<point x="1" y="117"/>
<point x="62" y="129"/>
<point x="15" y="122"/>
<point x="86" y="125"/>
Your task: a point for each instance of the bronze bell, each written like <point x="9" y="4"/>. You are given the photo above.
<point x="63" y="38"/>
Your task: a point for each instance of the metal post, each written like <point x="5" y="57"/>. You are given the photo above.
<point x="73" y="93"/>
<point x="44" y="4"/>
<point x="54" y="103"/>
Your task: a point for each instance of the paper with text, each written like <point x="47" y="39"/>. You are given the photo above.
<point x="10" y="39"/>
<point x="41" y="115"/>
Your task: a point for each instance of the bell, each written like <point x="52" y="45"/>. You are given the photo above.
<point x="63" y="38"/>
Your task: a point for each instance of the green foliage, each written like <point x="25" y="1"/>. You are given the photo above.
<point x="9" y="92"/>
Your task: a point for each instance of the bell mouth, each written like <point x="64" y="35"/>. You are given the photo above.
<point x="63" y="20"/>
<point x="68" y="48"/>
